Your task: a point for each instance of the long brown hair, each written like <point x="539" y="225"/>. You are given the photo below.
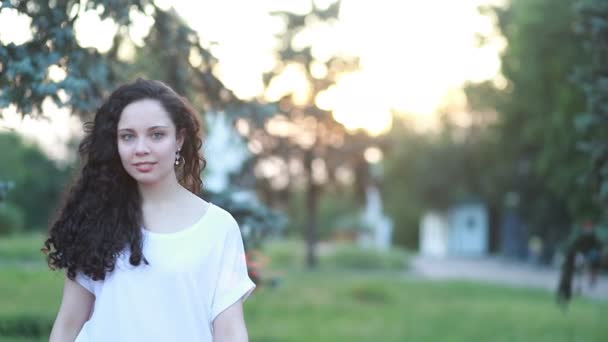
<point x="101" y="214"/>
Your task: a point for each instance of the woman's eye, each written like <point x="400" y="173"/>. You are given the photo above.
<point x="126" y="137"/>
<point x="158" y="135"/>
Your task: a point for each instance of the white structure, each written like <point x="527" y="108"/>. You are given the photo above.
<point x="462" y="231"/>
<point x="433" y="237"/>
<point x="381" y="227"/>
<point x="468" y="232"/>
<point x="224" y="149"/>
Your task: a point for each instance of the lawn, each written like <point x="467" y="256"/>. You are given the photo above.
<point x="339" y="305"/>
<point x="347" y="306"/>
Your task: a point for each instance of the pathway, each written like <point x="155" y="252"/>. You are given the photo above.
<point x="500" y="271"/>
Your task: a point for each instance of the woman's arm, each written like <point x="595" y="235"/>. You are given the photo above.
<point x="74" y="311"/>
<point x="229" y="325"/>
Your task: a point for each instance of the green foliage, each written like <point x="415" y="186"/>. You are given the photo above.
<point x="531" y="149"/>
<point x="290" y="254"/>
<point x="285" y="254"/>
<point x="21" y="247"/>
<point x="592" y="78"/>
<point x="25" y="326"/>
<point x="338" y="211"/>
<point x="25" y="80"/>
<point x="426" y="171"/>
<point x="536" y="144"/>
<point x="11" y="219"/>
<point x="353" y="257"/>
<point x="38" y="181"/>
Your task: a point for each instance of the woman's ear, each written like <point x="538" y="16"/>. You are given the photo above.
<point x="181" y="136"/>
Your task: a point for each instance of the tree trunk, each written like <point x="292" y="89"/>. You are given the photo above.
<point x="312" y="203"/>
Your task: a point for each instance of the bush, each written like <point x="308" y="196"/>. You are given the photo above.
<point x="350" y="256"/>
<point x="26" y="326"/>
<point x="334" y="207"/>
<point x="285" y="253"/>
<point x="38" y="181"/>
<point x="11" y="219"/>
<point x="22" y="247"/>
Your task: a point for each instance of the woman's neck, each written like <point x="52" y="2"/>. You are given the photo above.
<point x="160" y="194"/>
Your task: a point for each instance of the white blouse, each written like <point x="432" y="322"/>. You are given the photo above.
<point x="193" y="275"/>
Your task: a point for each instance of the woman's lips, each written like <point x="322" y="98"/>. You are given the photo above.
<point x="144" y="167"/>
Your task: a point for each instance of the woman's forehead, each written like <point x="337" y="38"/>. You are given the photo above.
<point x="144" y="114"/>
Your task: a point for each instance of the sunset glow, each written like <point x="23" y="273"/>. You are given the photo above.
<point x="413" y="54"/>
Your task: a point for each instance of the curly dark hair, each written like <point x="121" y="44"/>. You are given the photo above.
<point x="101" y="214"/>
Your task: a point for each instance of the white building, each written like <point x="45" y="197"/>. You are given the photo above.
<point x="462" y="230"/>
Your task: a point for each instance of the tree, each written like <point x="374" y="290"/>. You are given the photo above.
<point x="302" y="134"/>
<point x="435" y="170"/>
<point x="37" y="182"/>
<point x="592" y="78"/>
<point x="537" y="140"/>
<point x="24" y="81"/>
<point x="89" y="75"/>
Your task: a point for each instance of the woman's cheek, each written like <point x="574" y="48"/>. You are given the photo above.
<point x="167" y="152"/>
<point x="123" y="151"/>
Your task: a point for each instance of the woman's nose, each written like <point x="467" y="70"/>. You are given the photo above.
<point x="141" y="148"/>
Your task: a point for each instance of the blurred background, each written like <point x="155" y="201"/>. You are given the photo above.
<point x="400" y="170"/>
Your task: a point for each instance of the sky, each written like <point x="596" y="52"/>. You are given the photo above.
<point x="414" y="55"/>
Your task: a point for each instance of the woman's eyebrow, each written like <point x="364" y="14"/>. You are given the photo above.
<point x="149" y="129"/>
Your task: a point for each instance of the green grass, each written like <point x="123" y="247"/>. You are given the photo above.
<point x="345" y="306"/>
<point x="29" y="299"/>
<point x="355" y="306"/>
<point x="22" y="248"/>
<point x="291" y="254"/>
<point x="337" y="305"/>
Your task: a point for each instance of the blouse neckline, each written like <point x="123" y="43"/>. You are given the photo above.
<point x="181" y="231"/>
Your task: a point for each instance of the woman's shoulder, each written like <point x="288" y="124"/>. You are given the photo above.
<point x="223" y="216"/>
<point x="218" y="226"/>
<point x="221" y="219"/>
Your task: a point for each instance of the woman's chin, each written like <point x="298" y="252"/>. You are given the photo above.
<point x="148" y="179"/>
<point x="145" y="178"/>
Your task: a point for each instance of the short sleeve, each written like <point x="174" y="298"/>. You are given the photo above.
<point x="85" y="281"/>
<point x="233" y="282"/>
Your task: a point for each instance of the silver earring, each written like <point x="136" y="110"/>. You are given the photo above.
<point x="177" y="157"/>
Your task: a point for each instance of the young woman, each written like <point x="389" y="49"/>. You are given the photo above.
<point x="145" y="258"/>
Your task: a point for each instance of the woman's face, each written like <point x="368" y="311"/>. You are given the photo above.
<point x="147" y="141"/>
